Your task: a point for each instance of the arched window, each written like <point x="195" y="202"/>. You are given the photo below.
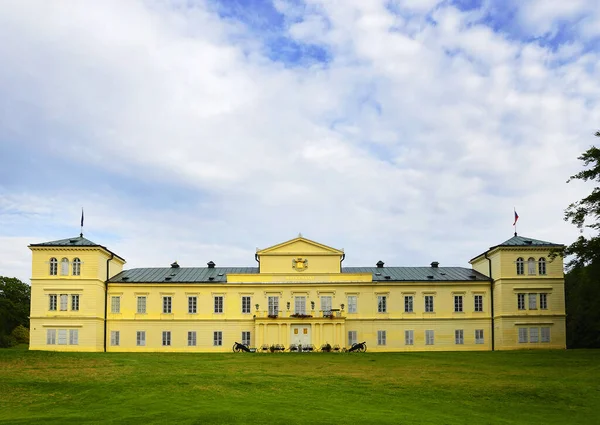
<point x="53" y="266"/>
<point x="542" y="265"/>
<point x="64" y="267"/>
<point x="531" y="265"/>
<point x="76" y="266"/>
<point x="520" y="266"/>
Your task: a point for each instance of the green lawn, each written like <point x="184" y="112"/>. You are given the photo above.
<point x="529" y="387"/>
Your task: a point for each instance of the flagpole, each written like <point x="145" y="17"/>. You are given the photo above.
<point x="81" y="229"/>
<point x="516" y="219"/>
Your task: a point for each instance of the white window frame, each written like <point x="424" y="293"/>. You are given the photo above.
<point x="531" y="266"/>
<point x="64" y="267"/>
<point x="115" y="304"/>
<point x="217" y="338"/>
<point x="167" y="304"/>
<point x="458" y="303"/>
<point x="409" y="337"/>
<point x="352" y="304"/>
<point x="64" y="302"/>
<point x="273" y="305"/>
<point x="191" y="338"/>
<point x="73" y="336"/>
<point x="115" y="338"/>
<point x="166" y="338"/>
<point x="50" y="336"/>
<point x="544" y="301"/>
<point x="352" y="338"/>
<point x="429" y="306"/>
<point x="74" y="302"/>
<point x="140" y="338"/>
<point x="534" y="335"/>
<point x="381" y="337"/>
<point x="141" y="304"/>
<point x="429" y="337"/>
<point x="300" y="304"/>
<point x="523" y="335"/>
<point x="52" y="302"/>
<point x="521" y="301"/>
<point x="409" y="304"/>
<point x="326" y="304"/>
<point x="218" y="303"/>
<point x="53" y="266"/>
<point x="246" y="304"/>
<point x="542" y="266"/>
<point x="520" y="266"/>
<point x="381" y="303"/>
<point x="76" y="265"/>
<point x="478" y="300"/>
<point x="192" y="304"/>
<point x="246" y="338"/>
<point x="459" y="336"/>
<point x="545" y="334"/>
<point x="479" y="336"/>
<point x="532" y="301"/>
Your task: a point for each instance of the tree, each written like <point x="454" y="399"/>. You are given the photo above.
<point x="15" y="299"/>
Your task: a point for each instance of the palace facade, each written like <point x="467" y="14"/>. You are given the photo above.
<point x="299" y="293"/>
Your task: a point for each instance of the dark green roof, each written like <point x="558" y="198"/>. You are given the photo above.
<point x="219" y="274"/>
<point x="77" y="241"/>
<point x="522" y="241"/>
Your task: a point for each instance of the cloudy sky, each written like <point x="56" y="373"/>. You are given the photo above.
<point x="402" y="130"/>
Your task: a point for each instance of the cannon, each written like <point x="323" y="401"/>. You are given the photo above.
<point x="359" y="347"/>
<point x="238" y="348"/>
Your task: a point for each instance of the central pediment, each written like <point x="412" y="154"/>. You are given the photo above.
<point x="300" y="245"/>
<point x="300" y="255"/>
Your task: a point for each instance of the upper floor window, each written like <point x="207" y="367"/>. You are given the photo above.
<point x="381" y="304"/>
<point x="520" y="266"/>
<point x="53" y="266"/>
<point x="300" y="305"/>
<point x="192" y="305"/>
<point x="543" y="301"/>
<point x="64" y="302"/>
<point x="218" y="307"/>
<point x="428" y="303"/>
<point x="64" y="267"/>
<point x="542" y="266"/>
<point x="75" y="302"/>
<point x="521" y="301"/>
<point x="326" y="305"/>
<point x="141" y="304"/>
<point x="532" y="301"/>
<point x="167" y="303"/>
<point x="478" y="302"/>
<point x="531" y="265"/>
<point x="115" y="304"/>
<point x="408" y="303"/>
<point x="458" y="303"/>
<point x="246" y="301"/>
<point x="352" y="304"/>
<point x="76" y="266"/>
<point x="53" y="298"/>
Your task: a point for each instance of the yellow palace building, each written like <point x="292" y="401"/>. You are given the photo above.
<point x="298" y="295"/>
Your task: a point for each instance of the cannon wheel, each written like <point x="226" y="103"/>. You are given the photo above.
<point x="362" y="348"/>
<point x="236" y="348"/>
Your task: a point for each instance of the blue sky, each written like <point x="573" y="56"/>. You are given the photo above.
<point x="401" y="130"/>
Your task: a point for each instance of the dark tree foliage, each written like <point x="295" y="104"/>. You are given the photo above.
<point x="15" y="299"/>
<point x="582" y="281"/>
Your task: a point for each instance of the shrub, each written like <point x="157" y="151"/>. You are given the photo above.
<point x="7" y="341"/>
<point x="21" y="334"/>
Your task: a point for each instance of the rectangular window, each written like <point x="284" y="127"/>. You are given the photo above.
<point x="352" y="338"/>
<point x="114" y="338"/>
<point x="352" y="304"/>
<point x="429" y="337"/>
<point x="141" y="305"/>
<point x="167" y="304"/>
<point x="166" y="338"/>
<point x="52" y="306"/>
<point x="191" y="338"/>
<point x="246" y="301"/>
<point x="408" y="304"/>
<point x="545" y="334"/>
<point x="273" y="306"/>
<point x="246" y="338"/>
<point x="543" y="301"/>
<point x="217" y="338"/>
<point x="300" y="305"/>
<point x="429" y="303"/>
<point x="51" y="336"/>
<point x="478" y="336"/>
<point x="381" y="337"/>
<point x="458" y="303"/>
<point x="141" y="338"/>
<point x="115" y="304"/>
<point x="534" y="335"/>
<point x="459" y="336"/>
<point x="409" y="337"/>
<point x="64" y="302"/>
<point x="381" y="304"/>
<point x="521" y="301"/>
<point x="75" y="302"/>
<point x="326" y="305"/>
<point x="522" y="335"/>
<point x="218" y="304"/>
<point x="532" y="301"/>
<point x="478" y="302"/>
<point x="73" y="336"/>
<point x="192" y="305"/>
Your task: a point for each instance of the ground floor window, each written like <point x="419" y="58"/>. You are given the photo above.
<point x="51" y="336"/>
<point x="62" y="337"/>
<point x="114" y="338"/>
<point x="166" y="338"/>
<point x="218" y="338"/>
<point x="522" y="335"/>
<point x="141" y="338"/>
<point x="381" y="337"/>
<point x="429" y="337"/>
<point x="545" y="334"/>
<point x="352" y="338"/>
<point x="534" y="335"/>
<point x="191" y="338"/>
<point x="409" y="337"/>
<point x="478" y="336"/>
<point x="73" y="336"/>
<point x="459" y="336"/>
<point x="246" y="337"/>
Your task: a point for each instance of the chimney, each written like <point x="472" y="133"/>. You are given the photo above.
<point x="210" y="265"/>
<point x="435" y="264"/>
<point x="174" y="265"/>
<point x="380" y="264"/>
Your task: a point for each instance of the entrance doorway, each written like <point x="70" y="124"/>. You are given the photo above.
<point x="300" y="335"/>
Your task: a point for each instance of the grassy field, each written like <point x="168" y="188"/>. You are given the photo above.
<point x="550" y="387"/>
